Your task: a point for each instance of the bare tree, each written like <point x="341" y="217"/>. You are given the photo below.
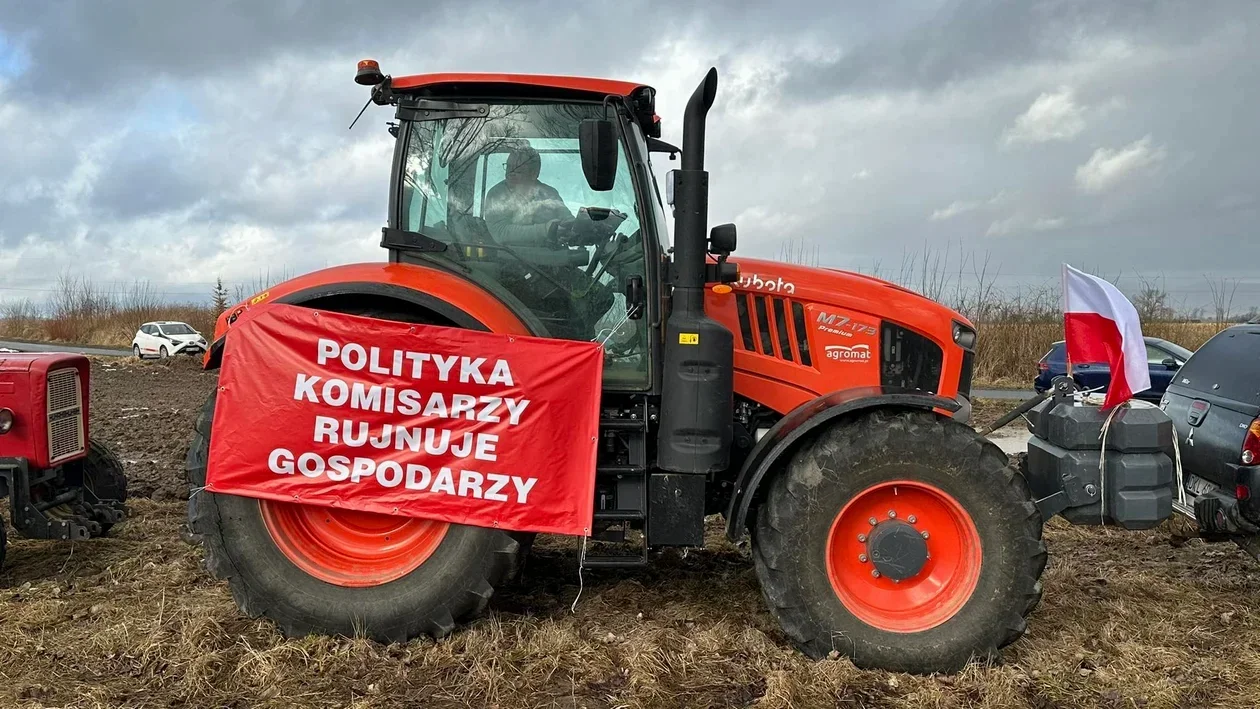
<point x="796" y="250"/>
<point x="1151" y="300"/>
<point x="1222" y="297"/>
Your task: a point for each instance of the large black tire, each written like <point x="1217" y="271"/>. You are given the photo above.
<point x="453" y="585"/>
<point x="792" y="529"/>
<point x="103" y="475"/>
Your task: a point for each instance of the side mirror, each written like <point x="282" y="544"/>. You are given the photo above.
<point x="722" y="239"/>
<point x="670" y="178"/>
<point x="597" y="141"/>
<point x="1171" y="363"/>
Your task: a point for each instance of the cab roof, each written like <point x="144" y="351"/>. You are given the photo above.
<point x="578" y="84"/>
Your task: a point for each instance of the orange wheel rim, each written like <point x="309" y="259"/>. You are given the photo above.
<point x="928" y="522"/>
<point x="348" y="547"/>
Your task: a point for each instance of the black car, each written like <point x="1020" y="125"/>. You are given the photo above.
<point x="1214" y="402"/>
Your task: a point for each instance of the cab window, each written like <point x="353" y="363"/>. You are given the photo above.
<point x="508" y="195"/>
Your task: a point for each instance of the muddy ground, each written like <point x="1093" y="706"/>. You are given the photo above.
<point x="1149" y="619"/>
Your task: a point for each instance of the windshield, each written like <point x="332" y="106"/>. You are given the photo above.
<point x="177" y="329"/>
<point x="1177" y="350"/>
<point x="507" y="193"/>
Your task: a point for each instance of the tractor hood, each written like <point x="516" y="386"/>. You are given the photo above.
<point x="850" y="291"/>
<point x="807" y="332"/>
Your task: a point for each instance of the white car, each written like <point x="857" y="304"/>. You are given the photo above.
<point x="165" y="338"/>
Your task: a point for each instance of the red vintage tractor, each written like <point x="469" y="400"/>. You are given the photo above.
<point x="60" y="483"/>
<point x="821" y="412"/>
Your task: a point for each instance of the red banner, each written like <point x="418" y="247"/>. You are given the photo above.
<point x="416" y="420"/>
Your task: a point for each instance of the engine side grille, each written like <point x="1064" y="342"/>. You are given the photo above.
<point x="909" y="360"/>
<point x="65" y="414"/>
<point x="764" y="322"/>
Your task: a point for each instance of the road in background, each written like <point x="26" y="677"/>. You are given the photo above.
<point x="52" y="347"/>
<point x="1011" y="394"/>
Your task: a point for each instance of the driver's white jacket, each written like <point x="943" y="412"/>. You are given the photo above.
<point x="521" y="216"/>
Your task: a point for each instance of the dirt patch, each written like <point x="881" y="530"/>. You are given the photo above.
<point x="1148" y="619"/>
<point x="987" y="411"/>
<point x="145" y="410"/>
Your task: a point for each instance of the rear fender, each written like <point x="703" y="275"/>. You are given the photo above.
<point x="441" y="292"/>
<point x="782" y="439"/>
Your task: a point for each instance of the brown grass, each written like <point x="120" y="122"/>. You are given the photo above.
<point x="1007" y="352"/>
<point x="1128" y="620"/>
<point x="80" y="312"/>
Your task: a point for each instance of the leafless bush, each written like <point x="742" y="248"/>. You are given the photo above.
<point x="80" y="311"/>
<point x="798" y="251"/>
<point x="1017" y="326"/>
<point x="258" y="284"/>
<point x="1223" y="292"/>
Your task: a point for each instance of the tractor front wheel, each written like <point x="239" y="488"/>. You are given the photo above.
<point x="900" y="539"/>
<point x="342" y="572"/>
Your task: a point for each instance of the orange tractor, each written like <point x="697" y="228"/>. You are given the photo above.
<point x="823" y="413"/>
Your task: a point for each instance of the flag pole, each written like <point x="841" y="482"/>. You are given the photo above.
<point x="1063" y="283"/>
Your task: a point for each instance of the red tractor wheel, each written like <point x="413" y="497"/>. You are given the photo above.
<point x="343" y="572"/>
<point x="340" y="572"/>
<point x="903" y="540"/>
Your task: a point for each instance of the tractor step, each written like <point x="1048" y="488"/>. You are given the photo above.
<point x="618" y="515"/>
<point x="614" y="562"/>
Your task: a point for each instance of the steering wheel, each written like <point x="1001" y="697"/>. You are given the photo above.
<point x="616" y="241"/>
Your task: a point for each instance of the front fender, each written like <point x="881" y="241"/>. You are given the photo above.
<point x="457" y="299"/>
<point x="782" y="438"/>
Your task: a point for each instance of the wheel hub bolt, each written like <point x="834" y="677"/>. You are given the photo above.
<point x="875" y="573"/>
<point x="861" y="537"/>
<point x="892" y="514"/>
<point x="873" y="521"/>
<point x="911" y="519"/>
<point x="925" y="536"/>
<point x="862" y="558"/>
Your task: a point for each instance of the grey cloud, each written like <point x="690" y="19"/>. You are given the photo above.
<point x="217" y="132"/>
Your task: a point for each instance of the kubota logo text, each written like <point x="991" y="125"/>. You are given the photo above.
<point x="769" y="285"/>
<point x="856" y="353"/>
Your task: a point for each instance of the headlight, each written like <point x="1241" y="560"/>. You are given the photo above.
<point x="6" y="421"/>
<point x="964" y="336"/>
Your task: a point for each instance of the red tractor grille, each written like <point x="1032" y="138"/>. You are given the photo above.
<point x="65" y="414"/>
<point x="764" y="324"/>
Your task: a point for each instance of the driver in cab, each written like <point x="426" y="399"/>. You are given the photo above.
<point x="524" y="211"/>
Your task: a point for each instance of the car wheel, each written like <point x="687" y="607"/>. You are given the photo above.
<point x="163" y="353"/>
<point x="135" y="349"/>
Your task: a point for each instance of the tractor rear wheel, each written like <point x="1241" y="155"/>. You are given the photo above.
<point x="342" y="572"/>
<point x="903" y="540"/>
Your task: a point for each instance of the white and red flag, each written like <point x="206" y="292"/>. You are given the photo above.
<point x="1101" y="325"/>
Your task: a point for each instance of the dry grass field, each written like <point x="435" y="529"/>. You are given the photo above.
<point x="1151" y="619"/>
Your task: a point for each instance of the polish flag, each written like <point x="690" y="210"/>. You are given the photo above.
<point x="1101" y="325"/>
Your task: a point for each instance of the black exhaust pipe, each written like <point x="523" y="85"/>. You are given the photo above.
<point x="697" y="402"/>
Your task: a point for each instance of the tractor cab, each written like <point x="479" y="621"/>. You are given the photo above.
<point x="543" y="195"/>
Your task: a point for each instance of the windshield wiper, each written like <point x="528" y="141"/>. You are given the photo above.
<point x="429" y="110"/>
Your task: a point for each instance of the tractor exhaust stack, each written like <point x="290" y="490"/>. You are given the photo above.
<point x="697" y="400"/>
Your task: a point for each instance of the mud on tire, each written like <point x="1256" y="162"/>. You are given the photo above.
<point x="796" y="555"/>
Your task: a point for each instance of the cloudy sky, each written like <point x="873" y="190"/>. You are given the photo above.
<point x="180" y="141"/>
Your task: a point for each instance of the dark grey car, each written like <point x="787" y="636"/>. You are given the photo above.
<point x="1214" y="402"/>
